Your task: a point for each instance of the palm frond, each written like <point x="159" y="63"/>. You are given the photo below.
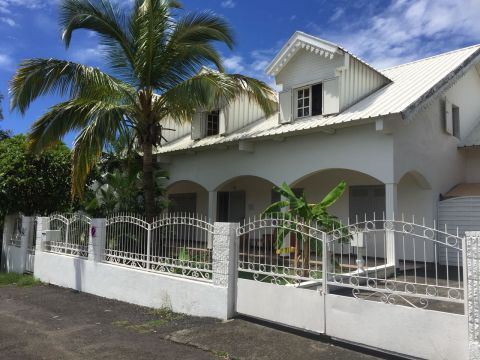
<point x="150" y="24"/>
<point x="89" y="144"/>
<point x="105" y="19"/>
<point x="72" y="115"/>
<point x="37" y="77"/>
<point x="209" y="89"/>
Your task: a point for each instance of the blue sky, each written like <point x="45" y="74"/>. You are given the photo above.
<point x="382" y="32"/>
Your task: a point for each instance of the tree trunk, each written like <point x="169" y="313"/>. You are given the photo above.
<point x="148" y="184"/>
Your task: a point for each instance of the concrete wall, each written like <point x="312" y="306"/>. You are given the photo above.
<point x="299" y="308"/>
<point x="404" y="330"/>
<point x="472" y="159"/>
<point x="358" y="148"/>
<point x="423" y="145"/>
<point x="133" y="286"/>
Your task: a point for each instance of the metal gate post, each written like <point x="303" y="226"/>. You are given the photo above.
<point x="325" y="264"/>
<point x="472" y="291"/>
<point x="224" y="261"/>
<point x="149" y="242"/>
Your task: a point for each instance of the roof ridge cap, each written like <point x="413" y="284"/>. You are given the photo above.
<point x="430" y="57"/>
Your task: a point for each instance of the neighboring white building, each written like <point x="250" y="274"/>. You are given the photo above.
<point x="401" y="137"/>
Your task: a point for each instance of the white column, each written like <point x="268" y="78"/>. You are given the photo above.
<point x="42" y="226"/>
<point x="26" y="233"/>
<point x="212" y="206"/>
<point x="472" y="290"/>
<point x="224" y="261"/>
<point x="390" y="212"/>
<point x="8" y="226"/>
<point x="96" y="240"/>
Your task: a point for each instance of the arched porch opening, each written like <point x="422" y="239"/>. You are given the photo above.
<point x="243" y="197"/>
<point x="363" y="197"/>
<point x="415" y="201"/>
<point x="187" y="196"/>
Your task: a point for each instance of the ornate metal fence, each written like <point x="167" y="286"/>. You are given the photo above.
<point x="394" y="261"/>
<point x="178" y="244"/>
<point x="398" y="262"/>
<point x="69" y="234"/>
<point x="277" y="249"/>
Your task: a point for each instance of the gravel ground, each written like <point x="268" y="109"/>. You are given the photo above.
<point x="48" y="322"/>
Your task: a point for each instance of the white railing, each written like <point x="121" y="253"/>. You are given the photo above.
<point x="394" y="261"/>
<point x="275" y="248"/>
<point x="398" y="261"/>
<point x="179" y="244"/>
<point x="73" y="234"/>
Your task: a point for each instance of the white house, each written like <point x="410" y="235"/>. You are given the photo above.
<point x="401" y="137"/>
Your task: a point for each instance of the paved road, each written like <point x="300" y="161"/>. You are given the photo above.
<point x="47" y="322"/>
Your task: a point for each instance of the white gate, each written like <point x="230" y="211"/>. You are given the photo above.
<point x="378" y="283"/>
<point x="280" y="272"/>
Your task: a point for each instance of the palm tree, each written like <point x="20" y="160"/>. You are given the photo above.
<point x="156" y="55"/>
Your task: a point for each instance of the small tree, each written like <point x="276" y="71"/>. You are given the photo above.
<point x="297" y="207"/>
<point x="34" y="184"/>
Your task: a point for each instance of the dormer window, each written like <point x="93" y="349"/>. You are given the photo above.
<point x="213" y="123"/>
<point x="309" y="100"/>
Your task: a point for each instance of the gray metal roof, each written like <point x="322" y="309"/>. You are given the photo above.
<point x="411" y="82"/>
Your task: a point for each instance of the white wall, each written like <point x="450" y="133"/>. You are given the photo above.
<point x="306" y="67"/>
<point x="358" y="148"/>
<point x="422" y="145"/>
<point x="15" y="259"/>
<point x="133" y="286"/>
<point x="420" y="333"/>
<point x="472" y="158"/>
<point x="465" y="94"/>
<point x="299" y="308"/>
<point x="414" y="202"/>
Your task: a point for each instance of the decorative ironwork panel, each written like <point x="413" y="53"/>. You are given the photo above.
<point x="279" y="249"/>
<point x="397" y="262"/>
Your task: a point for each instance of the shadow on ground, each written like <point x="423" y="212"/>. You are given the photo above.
<point x="47" y="322"/>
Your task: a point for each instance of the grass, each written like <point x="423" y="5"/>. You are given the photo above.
<point x="19" y="280"/>
<point x="162" y="317"/>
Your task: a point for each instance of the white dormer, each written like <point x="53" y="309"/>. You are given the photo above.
<point x="320" y="78"/>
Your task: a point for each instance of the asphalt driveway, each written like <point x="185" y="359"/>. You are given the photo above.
<point x="47" y="322"/>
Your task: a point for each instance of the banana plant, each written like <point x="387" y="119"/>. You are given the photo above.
<point x="296" y="209"/>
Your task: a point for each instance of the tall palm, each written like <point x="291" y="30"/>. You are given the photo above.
<point x="156" y="55"/>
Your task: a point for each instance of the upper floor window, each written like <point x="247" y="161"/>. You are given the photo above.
<point x="213" y="123"/>
<point x="309" y="100"/>
<point x="456" y="121"/>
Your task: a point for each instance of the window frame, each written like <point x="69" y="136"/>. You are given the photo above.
<point x="303" y="98"/>
<point x="309" y="106"/>
<point x="214" y="129"/>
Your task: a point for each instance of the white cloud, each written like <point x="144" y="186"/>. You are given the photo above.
<point x="6" y="62"/>
<point x="293" y="17"/>
<point x="337" y="14"/>
<point x="8" y="21"/>
<point x="234" y="64"/>
<point x="93" y="55"/>
<point x="228" y="4"/>
<point x="408" y="30"/>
